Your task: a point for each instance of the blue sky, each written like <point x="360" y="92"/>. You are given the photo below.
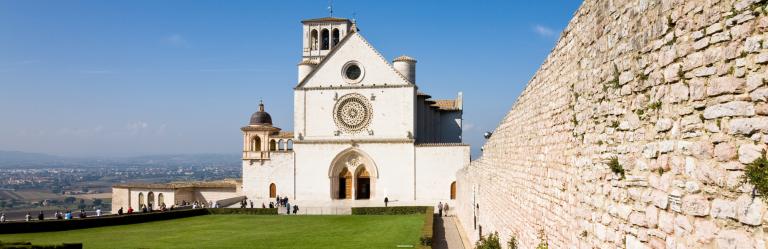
<point x="124" y="78"/>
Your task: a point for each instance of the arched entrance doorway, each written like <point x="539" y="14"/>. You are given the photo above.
<point x="272" y="190"/>
<point x="345" y="184"/>
<point x="353" y="175"/>
<point x="363" y="179"/>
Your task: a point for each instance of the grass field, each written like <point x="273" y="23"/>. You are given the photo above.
<point x="246" y="231"/>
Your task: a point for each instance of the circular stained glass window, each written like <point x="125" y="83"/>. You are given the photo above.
<point x="352" y="113"/>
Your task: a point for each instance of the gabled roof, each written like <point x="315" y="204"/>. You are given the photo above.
<point x="326" y="19"/>
<point x="338" y="47"/>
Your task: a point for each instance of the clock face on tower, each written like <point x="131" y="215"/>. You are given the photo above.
<point x="352" y="113"/>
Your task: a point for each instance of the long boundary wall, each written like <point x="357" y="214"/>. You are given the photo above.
<point x="675" y="90"/>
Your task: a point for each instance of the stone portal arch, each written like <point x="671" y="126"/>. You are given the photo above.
<point x="361" y="183"/>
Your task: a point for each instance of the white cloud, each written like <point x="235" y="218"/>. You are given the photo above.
<point x="468" y="127"/>
<point x="176" y="40"/>
<point x="543" y="30"/>
<point x="135" y="128"/>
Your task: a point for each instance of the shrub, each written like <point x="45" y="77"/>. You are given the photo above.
<point x="399" y="210"/>
<point x="490" y="242"/>
<point x="543" y="244"/>
<point x="512" y="244"/>
<point x="616" y="167"/>
<point x="756" y="173"/>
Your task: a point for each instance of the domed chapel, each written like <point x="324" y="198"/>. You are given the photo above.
<point x="363" y="131"/>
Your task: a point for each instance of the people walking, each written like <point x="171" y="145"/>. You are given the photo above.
<point x="445" y="209"/>
<point x="295" y="209"/>
<point x="120" y="211"/>
<point x="27" y="217"/>
<point x="98" y="212"/>
<point x="2" y="217"/>
<point x="287" y="208"/>
<point x="41" y="216"/>
<point x="386" y="201"/>
<point x="251" y="204"/>
<point x="440" y="209"/>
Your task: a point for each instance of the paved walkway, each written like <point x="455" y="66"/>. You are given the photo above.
<point x="446" y="234"/>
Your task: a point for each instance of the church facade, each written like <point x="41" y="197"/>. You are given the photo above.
<point x="363" y="131"/>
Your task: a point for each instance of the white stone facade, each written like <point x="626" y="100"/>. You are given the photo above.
<point x="363" y="132"/>
<point x="359" y="136"/>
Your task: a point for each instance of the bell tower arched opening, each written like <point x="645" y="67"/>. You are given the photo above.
<point x="325" y="39"/>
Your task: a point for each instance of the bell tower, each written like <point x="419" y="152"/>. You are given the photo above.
<point x="321" y="35"/>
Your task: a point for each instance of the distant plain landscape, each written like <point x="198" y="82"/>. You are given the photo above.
<point x="33" y="182"/>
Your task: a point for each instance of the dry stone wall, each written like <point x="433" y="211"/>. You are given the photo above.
<point x="675" y="91"/>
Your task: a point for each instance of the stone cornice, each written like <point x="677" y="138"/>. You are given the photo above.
<point x="259" y="128"/>
<point x="342" y="87"/>
<point x="440" y="144"/>
<point x="355" y="141"/>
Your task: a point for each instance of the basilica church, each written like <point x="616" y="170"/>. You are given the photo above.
<point x="363" y="131"/>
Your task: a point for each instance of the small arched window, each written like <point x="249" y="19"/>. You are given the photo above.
<point x="255" y="143"/>
<point x="289" y="144"/>
<point x="281" y="145"/>
<point x="324" y="39"/>
<point x="313" y="40"/>
<point x="272" y="190"/>
<point x="272" y="145"/>
<point x="141" y="200"/>
<point x="334" y="37"/>
<point x="160" y="199"/>
<point x="453" y="190"/>
<point x="151" y="199"/>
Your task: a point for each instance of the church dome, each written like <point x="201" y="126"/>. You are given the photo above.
<point x="261" y="117"/>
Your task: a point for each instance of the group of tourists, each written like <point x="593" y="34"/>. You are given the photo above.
<point x="283" y="202"/>
<point x="59" y="215"/>
<point x="202" y="204"/>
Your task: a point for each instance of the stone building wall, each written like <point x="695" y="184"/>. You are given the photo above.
<point x="675" y="90"/>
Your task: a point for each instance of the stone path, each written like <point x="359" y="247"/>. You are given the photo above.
<point x="446" y="234"/>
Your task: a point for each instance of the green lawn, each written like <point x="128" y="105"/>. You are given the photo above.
<point x="246" y="231"/>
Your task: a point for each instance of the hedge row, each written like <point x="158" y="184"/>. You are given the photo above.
<point x="110" y="220"/>
<point x="427" y="231"/>
<point x="399" y="210"/>
<point x="113" y="220"/>
<point x="28" y="245"/>
<point x="252" y="211"/>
